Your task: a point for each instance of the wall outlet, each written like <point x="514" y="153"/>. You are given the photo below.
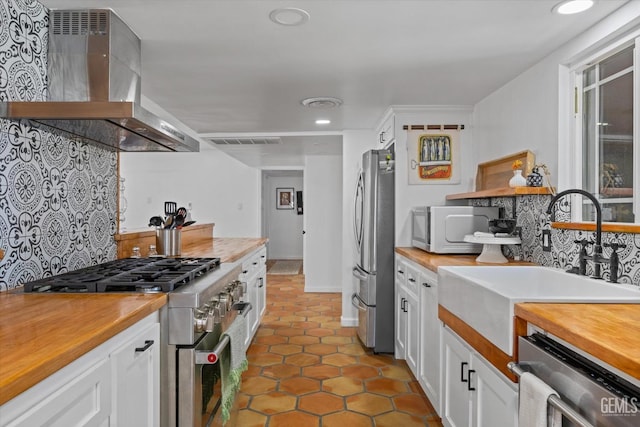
<point x="546" y="240"/>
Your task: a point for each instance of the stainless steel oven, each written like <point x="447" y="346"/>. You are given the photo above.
<point x="588" y="394"/>
<point x="197" y="317"/>
<point x="200" y="370"/>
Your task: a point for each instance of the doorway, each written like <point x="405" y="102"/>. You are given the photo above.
<point x="283" y="219"/>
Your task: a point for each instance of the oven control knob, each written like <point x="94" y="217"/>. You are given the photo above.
<point x="225" y="305"/>
<point x="213" y="316"/>
<point x="199" y="320"/>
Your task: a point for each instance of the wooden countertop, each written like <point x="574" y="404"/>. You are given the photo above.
<point x="228" y="249"/>
<point x="41" y="334"/>
<point x="609" y="332"/>
<point x="433" y="261"/>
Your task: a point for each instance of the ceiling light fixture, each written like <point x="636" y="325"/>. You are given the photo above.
<point x="322" y="102"/>
<point x="289" y="16"/>
<point x="323" y="122"/>
<point x="569" y="7"/>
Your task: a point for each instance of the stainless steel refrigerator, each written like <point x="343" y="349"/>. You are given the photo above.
<point x="374" y="220"/>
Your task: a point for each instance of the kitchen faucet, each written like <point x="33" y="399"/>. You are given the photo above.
<point x="596" y="257"/>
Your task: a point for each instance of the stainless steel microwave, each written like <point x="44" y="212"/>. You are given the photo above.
<point x="441" y="229"/>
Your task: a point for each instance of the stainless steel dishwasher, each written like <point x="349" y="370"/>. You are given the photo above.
<point x="589" y="395"/>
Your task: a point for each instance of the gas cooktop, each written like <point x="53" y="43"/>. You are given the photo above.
<point x="128" y="275"/>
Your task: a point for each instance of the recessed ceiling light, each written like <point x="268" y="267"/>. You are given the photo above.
<point x="289" y="16"/>
<point x="569" y="7"/>
<point x="323" y="122"/>
<point x="322" y="102"/>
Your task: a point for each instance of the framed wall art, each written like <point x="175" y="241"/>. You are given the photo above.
<point x="284" y="198"/>
<point x="434" y="156"/>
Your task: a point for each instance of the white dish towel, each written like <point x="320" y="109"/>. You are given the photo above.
<point x="533" y="406"/>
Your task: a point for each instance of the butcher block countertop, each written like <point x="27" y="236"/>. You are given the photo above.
<point x="433" y="261"/>
<point x="228" y="249"/>
<point x="609" y="332"/>
<point x="40" y="334"/>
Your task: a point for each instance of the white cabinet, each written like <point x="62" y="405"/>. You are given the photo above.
<point x="83" y="400"/>
<point x="418" y="329"/>
<point x="386" y="131"/>
<point x="254" y="276"/>
<point x="407" y="315"/>
<point x="430" y="334"/>
<point x="136" y="390"/>
<point x="112" y="385"/>
<point x="474" y="393"/>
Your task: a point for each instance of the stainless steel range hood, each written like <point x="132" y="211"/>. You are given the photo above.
<point x="94" y="87"/>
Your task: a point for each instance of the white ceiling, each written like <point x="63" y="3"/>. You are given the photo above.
<point x="223" y="68"/>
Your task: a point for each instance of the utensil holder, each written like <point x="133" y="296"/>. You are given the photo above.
<point x="169" y="241"/>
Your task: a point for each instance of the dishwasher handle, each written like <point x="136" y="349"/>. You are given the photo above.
<point x="566" y="410"/>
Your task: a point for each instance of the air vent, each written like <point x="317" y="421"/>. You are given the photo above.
<point x="246" y="141"/>
<point x="79" y="22"/>
<point x="322" y="102"/>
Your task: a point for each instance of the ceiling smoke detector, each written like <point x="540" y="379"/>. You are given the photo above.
<point x="322" y="102"/>
<point x="289" y="16"/>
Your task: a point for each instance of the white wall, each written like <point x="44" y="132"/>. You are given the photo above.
<point x="354" y="143"/>
<point x="221" y="189"/>
<point x="284" y="226"/>
<point x="323" y="223"/>
<point x="409" y="196"/>
<point x="524" y="113"/>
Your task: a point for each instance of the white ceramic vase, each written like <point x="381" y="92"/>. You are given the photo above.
<point x="517" y="180"/>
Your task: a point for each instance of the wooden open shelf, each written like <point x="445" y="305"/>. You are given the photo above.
<point x="610" y="227"/>
<point x="500" y="192"/>
<point x="617" y="192"/>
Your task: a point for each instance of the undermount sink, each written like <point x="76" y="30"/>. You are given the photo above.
<point x="484" y="296"/>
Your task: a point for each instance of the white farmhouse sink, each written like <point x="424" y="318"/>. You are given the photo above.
<point x="484" y="296"/>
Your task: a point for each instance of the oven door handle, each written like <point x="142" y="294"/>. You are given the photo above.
<point x="211" y="357"/>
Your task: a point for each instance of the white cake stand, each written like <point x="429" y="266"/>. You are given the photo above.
<point x="492" y="247"/>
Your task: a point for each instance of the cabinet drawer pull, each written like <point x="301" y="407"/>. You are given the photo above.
<point x="426" y="285"/>
<point x="400" y="271"/>
<point x="411" y="279"/>
<point x="147" y="344"/>
<point x="402" y="304"/>
<point x="471" y="371"/>
<point x="245" y="271"/>
<point x="255" y="263"/>
<point x="462" y="365"/>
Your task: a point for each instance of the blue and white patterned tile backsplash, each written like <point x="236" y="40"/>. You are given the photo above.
<point x="57" y="195"/>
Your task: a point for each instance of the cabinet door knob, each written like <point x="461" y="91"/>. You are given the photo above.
<point x="147" y="344"/>
<point x="400" y="271"/>
<point x="471" y="371"/>
<point x="426" y="285"/>
<point x="462" y="365"/>
<point x="411" y="279"/>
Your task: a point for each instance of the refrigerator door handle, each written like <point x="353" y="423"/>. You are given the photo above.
<point x="359" y="273"/>
<point x="358" y="200"/>
<point x="357" y="303"/>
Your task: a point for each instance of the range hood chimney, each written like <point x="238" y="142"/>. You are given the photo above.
<point x="94" y="87"/>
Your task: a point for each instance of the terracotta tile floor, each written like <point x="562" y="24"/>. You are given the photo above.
<point x="306" y="370"/>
